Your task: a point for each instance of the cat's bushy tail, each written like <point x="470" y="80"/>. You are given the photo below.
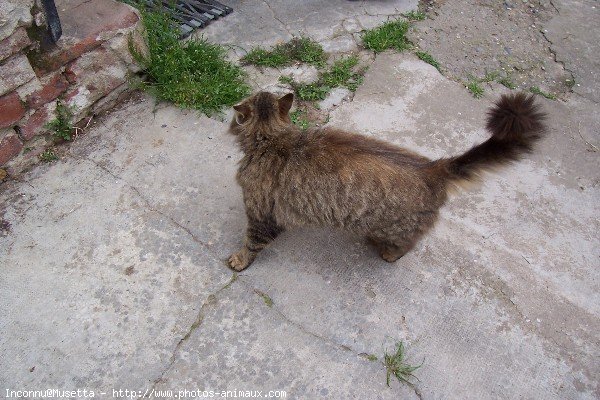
<point x="515" y="123"/>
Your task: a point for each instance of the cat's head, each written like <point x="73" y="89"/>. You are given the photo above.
<point x="262" y="111"/>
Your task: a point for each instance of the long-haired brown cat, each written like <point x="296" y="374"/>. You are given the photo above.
<point x="326" y="176"/>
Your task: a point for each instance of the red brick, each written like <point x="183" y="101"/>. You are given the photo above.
<point x="52" y="87"/>
<point x="10" y="147"/>
<point x="11" y="109"/>
<point x="86" y="25"/>
<point x="34" y="124"/>
<point x="48" y="62"/>
<point x="97" y="74"/>
<point x="14" y="43"/>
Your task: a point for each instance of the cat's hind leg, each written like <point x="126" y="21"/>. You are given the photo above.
<point x="392" y="251"/>
<point x="397" y="239"/>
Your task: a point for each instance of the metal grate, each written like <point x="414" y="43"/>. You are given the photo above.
<point x="191" y="14"/>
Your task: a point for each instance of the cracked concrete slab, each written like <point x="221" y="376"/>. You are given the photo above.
<point x="569" y="40"/>
<point x="244" y="344"/>
<point x="265" y="23"/>
<point x="113" y="273"/>
<point x="97" y="288"/>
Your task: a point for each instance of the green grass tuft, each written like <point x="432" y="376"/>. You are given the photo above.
<point x="428" y="59"/>
<point x="300" y="119"/>
<point x="395" y="365"/>
<point x="390" y="35"/>
<point x="191" y="74"/>
<point x="507" y="82"/>
<point x="414" y="15"/>
<point x="342" y="73"/>
<point x="48" y="155"/>
<point x="490" y="76"/>
<point x="300" y="49"/>
<point x="264" y="58"/>
<point x="306" y="50"/>
<point x="537" y="90"/>
<point x="61" y="126"/>
<point x="475" y="89"/>
<point x="311" y="91"/>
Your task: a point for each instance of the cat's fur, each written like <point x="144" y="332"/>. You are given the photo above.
<point x="326" y="176"/>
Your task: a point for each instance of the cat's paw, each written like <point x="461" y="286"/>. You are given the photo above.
<point x="239" y="261"/>
<point x="390" y="256"/>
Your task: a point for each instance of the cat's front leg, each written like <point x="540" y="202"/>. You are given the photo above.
<point x="260" y="233"/>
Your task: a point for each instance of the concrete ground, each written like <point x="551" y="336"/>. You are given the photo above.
<point x="113" y="274"/>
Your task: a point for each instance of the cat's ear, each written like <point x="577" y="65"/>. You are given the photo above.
<point x="285" y="103"/>
<point x="242" y="111"/>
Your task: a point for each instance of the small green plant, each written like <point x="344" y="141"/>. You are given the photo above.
<point x="300" y="49"/>
<point x="48" y="156"/>
<point x="395" y="365"/>
<point x="61" y="126"/>
<point x="268" y="301"/>
<point x="300" y="119"/>
<point x="264" y="58"/>
<point x="490" y="76"/>
<point x="414" y="15"/>
<point x="507" y="82"/>
<point x="428" y="59"/>
<point x="372" y="357"/>
<point x="390" y="35"/>
<point x="475" y="88"/>
<point x="537" y="90"/>
<point x="306" y="50"/>
<point x="342" y="73"/>
<point x="311" y="91"/>
<point x="191" y="74"/>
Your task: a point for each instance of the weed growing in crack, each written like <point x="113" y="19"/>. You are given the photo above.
<point x="264" y="58"/>
<point x="191" y="74"/>
<point x="61" y="126"/>
<point x="428" y="58"/>
<point x="396" y="366"/>
<point x="342" y="73"/>
<point x="299" y="49"/>
<point x="48" y="155"/>
<point x="414" y="15"/>
<point x="390" y="35"/>
<point x="475" y="88"/>
<point x="507" y="82"/>
<point x="268" y="301"/>
<point x="490" y="77"/>
<point x="300" y="119"/>
<point x="537" y="90"/>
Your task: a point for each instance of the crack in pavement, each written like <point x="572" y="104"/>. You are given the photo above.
<point x="149" y="206"/>
<point x="323" y="339"/>
<point x="211" y="300"/>
<point x="277" y="18"/>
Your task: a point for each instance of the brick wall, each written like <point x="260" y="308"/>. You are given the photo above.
<point x="87" y="69"/>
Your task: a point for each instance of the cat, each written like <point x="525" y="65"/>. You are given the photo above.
<point x="330" y="177"/>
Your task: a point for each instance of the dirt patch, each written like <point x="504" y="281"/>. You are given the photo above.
<point x="474" y="38"/>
